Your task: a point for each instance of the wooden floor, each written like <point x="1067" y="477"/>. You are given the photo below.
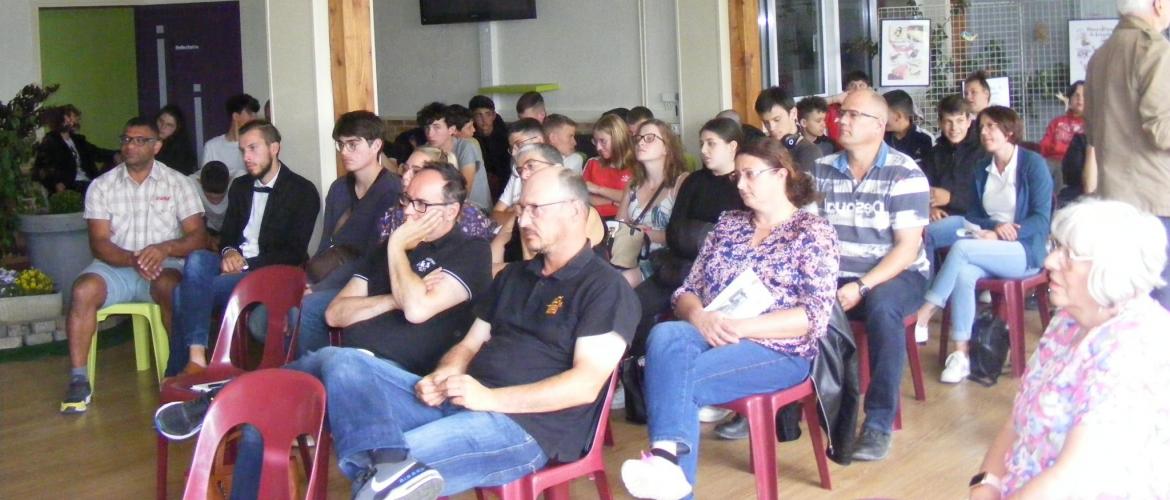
<point x="109" y="452"/>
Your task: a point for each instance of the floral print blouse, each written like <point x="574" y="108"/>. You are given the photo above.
<point x="1114" y="384"/>
<point x="471" y="221"/>
<point x="797" y="262"/>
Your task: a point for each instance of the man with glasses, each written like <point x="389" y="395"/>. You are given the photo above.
<point x="270" y="218"/>
<point x="136" y="259"/>
<point x="879" y="202"/>
<point x="778" y="111"/>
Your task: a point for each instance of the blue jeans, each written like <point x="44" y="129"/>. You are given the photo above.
<point x="883" y="311"/>
<point x="684" y="373"/>
<point x="201" y="292"/>
<point x="314" y="331"/>
<point x="941" y="234"/>
<point x="372" y="406"/>
<point x="969" y="261"/>
<point x="1162" y="295"/>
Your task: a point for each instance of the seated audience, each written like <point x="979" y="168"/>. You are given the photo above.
<point x="520" y="133"/>
<point x="777" y="110"/>
<point x="1072" y="169"/>
<point x="950" y="166"/>
<point x="531" y="105"/>
<point x="810" y="115"/>
<point x="472" y="220"/>
<point x="561" y="132"/>
<point x="902" y="132"/>
<point x="637" y="116"/>
<point x="213" y="183"/>
<point x="177" y="151"/>
<point x="1062" y="129"/>
<point x="1008" y="222"/>
<point x="607" y="174"/>
<point x="135" y="259"/>
<point x="658" y="174"/>
<point x="269" y="220"/>
<point x="750" y="132"/>
<point x="492" y="134"/>
<point x="65" y="159"/>
<point x="440" y="124"/>
<point x="977" y="93"/>
<point x="716" y="356"/>
<point x="225" y="148"/>
<point x="854" y="80"/>
<point x="1089" y="420"/>
<point x="883" y="266"/>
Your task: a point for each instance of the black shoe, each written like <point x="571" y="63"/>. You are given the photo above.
<point x="872" y="445"/>
<point x="182" y="419"/>
<point x="76" y="396"/>
<point x="734" y="429"/>
<point x="399" y="481"/>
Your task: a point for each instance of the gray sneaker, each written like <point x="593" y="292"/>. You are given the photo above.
<point x="399" y="481"/>
<point x="77" y="396"/>
<point x="734" y="429"/>
<point x="872" y="445"/>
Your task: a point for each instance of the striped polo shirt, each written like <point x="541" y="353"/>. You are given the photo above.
<point x="893" y="195"/>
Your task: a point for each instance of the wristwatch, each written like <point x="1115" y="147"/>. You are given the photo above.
<point x="862" y="288"/>
<point x="986" y="478"/>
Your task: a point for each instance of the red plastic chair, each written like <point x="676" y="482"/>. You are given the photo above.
<point x="279" y="288"/>
<point x="1008" y="299"/>
<point x="554" y="480"/>
<point x="284" y="406"/>
<point x="861" y="337"/>
<point x="760" y="411"/>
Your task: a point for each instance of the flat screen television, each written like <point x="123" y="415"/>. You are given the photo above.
<point x="473" y="11"/>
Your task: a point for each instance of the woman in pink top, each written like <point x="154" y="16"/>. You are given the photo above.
<point x="1092" y="417"/>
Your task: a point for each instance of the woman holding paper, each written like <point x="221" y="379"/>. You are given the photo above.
<point x="753" y="307"/>
<point x="1006" y="231"/>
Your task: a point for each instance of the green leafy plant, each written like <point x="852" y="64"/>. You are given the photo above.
<point x="19" y="119"/>
<point x="66" y="202"/>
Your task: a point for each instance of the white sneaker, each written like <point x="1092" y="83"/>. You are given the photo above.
<point x="957" y="368"/>
<point x="709" y="414"/>
<point x="619" y="398"/>
<point x="921" y="333"/>
<point x="985" y="297"/>
<point x="654" y="477"/>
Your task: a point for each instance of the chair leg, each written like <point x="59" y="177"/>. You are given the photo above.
<point x="898" y="416"/>
<point x="762" y="434"/>
<point x="602" y="483"/>
<point x="141" y="330"/>
<point x="161" y="341"/>
<point x="608" y="436"/>
<point x="1014" y="309"/>
<point x="91" y="364"/>
<point x="915" y="364"/>
<point x="557" y="492"/>
<point x="160" y="473"/>
<point x="818" y="444"/>
<point x="306" y="458"/>
<point x="862" y="341"/>
<point x="1044" y="306"/>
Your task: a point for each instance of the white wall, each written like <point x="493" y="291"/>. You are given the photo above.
<point x="705" y="65"/>
<point x="592" y="49"/>
<point x="19" y="55"/>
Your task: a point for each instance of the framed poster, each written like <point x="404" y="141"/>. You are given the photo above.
<point x="905" y="53"/>
<point x="1084" y="37"/>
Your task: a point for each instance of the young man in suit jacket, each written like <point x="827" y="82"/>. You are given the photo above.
<point x="270" y="218"/>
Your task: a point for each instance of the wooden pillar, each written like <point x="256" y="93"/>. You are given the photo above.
<point x="351" y="51"/>
<point x="746" y="66"/>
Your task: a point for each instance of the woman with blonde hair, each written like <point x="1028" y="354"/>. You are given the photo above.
<point x="658" y="174"/>
<point x="607" y="174"/>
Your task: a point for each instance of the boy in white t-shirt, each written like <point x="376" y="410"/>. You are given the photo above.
<point x="225" y="148"/>
<point x="560" y="131"/>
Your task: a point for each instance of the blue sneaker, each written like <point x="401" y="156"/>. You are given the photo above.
<point x="76" y="397"/>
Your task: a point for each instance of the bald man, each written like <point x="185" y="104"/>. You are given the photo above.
<point x="879" y="201"/>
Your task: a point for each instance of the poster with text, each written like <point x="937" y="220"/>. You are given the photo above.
<point x="1084" y="36"/>
<point x="905" y="53"/>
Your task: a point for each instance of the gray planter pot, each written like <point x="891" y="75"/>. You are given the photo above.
<point x="58" y="244"/>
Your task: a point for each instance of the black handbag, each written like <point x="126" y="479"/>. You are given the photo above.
<point x="632" y="375"/>
<point x="988" y="349"/>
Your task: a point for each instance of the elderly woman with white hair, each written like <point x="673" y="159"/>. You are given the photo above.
<point x="1092" y="416"/>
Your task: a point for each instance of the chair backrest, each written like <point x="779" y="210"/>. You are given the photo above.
<point x="283" y="405"/>
<point x="279" y="288"/>
<point x="603" y="417"/>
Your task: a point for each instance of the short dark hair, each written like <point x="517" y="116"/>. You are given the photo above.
<point x="240" y="102"/>
<point x="772" y="97"/>
<point x="639" y="114"/>
<point x="726" y="128"/>
<point x="214" y="178"/>
<point x="799" y="188"/>
<point x="900" y="101"/>
<point x="525" y="126"/>
<point x="529" y="100"/>
<point x="267" y="130"/>
<point x="622" y="113"/>
<point x="555" y="121"/>
<point x="809" y="104"/>
<point x="979" y="77"/>
<point x="481" y="101"/>
<point x="142" y="121"/>
<point x="457" y="116"/>
<point x="1072" y="89"/>
<point x="431" y="113"/>
<point x="363" y="124"/>
<point x="1008" y="122"/>
<point x="454" y="187"/>
<point x="857" y="76"/>
<point x="952" y="105"/>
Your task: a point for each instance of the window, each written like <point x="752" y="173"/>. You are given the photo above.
<point x="806" y="45"/>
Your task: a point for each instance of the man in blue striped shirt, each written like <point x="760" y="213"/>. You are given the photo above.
<point x="879" y="202"/>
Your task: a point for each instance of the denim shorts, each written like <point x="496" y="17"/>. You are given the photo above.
<point x="124" y="284"/>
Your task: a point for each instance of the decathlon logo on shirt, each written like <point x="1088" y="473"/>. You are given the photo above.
<point x="425" y="265"/>
<point x="857" y="207"/>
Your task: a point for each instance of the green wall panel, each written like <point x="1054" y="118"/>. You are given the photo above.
<point x="92" y="54"/>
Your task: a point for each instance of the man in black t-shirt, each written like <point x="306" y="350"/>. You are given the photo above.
<point x="523" y="387"/>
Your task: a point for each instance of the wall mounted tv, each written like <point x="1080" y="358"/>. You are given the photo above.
<point x="472" y="11"/>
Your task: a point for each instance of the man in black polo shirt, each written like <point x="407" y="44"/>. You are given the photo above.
<point x="523" y="387"/>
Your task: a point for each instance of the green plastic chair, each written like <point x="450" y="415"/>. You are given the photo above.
<point x="147" y="317"/>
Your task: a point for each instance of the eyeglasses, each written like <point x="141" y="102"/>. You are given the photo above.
<point x="1064" y="253"/>
<point x="420" y="206"/>
<point x="749" y="174"/>
<point x="412" y="168"/>
<point x="138" y="141"/>
<point x="852" y="114"/>
<point x="516" y="146"/>
<point x="349" y="146"/>
<point x="536" y="210"/>
<point x="647" y="138"/>
<point x="532" y="165"/>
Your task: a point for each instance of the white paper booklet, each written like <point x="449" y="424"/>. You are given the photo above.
<point x="745" y="297"/>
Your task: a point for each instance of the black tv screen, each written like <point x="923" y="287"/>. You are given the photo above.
<point x="473" y="11"/>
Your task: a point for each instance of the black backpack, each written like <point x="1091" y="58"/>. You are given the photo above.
<point x="988" y="349"/>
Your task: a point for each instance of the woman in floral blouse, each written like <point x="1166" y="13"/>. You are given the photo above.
<point x="1092" y="418"/>
<point x="716" y="356"/>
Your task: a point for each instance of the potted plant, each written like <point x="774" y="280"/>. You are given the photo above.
<point x="19" y="119"/>
<point x="58" y="236"/>
<point x="27" y="295"/>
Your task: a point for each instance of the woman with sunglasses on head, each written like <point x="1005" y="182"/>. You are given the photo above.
<point x="607" y="174"/>
<point x="717" y="356"/>
<point x="1090" y="419"/>
<point x="649" y="200"/>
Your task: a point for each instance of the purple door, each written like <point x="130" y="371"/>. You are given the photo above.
<point x="190" y="55"/>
